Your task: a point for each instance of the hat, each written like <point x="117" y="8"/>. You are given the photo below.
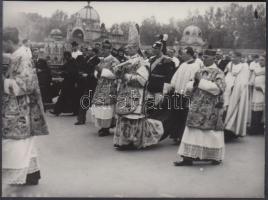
<point x="210" y="52"/>
<point x="134" y="35"/>
<point x="157" y="44"/>
<point x="74" y="44"/>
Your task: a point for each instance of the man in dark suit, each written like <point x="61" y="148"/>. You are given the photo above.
<point x="91" y="82"/>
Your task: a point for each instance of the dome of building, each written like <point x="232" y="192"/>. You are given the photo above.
<point x="56" y="32"/>
<point x="89" y="13"/>
<point x="192" y="36"/>
<point x="193" y="31"/>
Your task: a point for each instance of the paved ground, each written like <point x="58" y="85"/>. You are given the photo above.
<point x="75" y="162"/>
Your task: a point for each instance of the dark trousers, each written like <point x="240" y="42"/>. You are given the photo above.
<point x="175" y="124"/>
<point x="257" y="127"/>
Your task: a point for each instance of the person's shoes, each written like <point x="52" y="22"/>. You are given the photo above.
<point x="54" y="113"/>
<point x="164" y="136"/>
<point x="79" y="123"/>
<point x="125" y="147"/>
<point x="215" y="162"/>
<point x="32" y="182"/>
<point x="176" y="141"/>
<point x="104" y="132"/>
<point x="183" y="163"/>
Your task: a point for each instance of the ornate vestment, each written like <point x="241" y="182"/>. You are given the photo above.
<point x="132" y="126"/>
<point x="206" y="109"/>
<point x="130" y="99"/>
<point x="105" y="93"/>
<point x="22" y="111"/>
<point x="203" y="137"/>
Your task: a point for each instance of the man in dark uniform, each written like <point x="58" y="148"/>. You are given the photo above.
<point x="161" y="71"/>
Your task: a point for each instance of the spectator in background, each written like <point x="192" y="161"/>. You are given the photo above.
<point x="75" y="51"/>
<point x="249" y="59"/>
<point x="198" y="58"/>
<point x="44" y="79"/>
<point x="82" y="88"/>
<point x="180" y="55"/>
<point x="121" y="55"/>
<point x="114" y="52"/>
<point x="171" y="53"/>
<point x="35" y="56"/>
<point x="92" y="64"/>
<point x="221" y="62"/>
<point x="236" y="97"/>
<point x="66" y="100"/>
<point x="253" y="63"/>
<point x="98" y="46"/>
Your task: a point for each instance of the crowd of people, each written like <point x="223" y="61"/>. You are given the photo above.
<point x="199" y="99"/>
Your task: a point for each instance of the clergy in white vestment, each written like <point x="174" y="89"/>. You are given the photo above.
<point x="203" y="137"/>
<point x="180" y="102"/>
<point x="236" y="97"/>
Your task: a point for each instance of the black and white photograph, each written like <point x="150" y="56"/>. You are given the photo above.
<point x="114" y="99"/>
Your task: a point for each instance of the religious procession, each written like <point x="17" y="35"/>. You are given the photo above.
<point x="190" y="95"/>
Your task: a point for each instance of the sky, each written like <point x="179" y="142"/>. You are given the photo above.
<point x="114" y="12"/>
